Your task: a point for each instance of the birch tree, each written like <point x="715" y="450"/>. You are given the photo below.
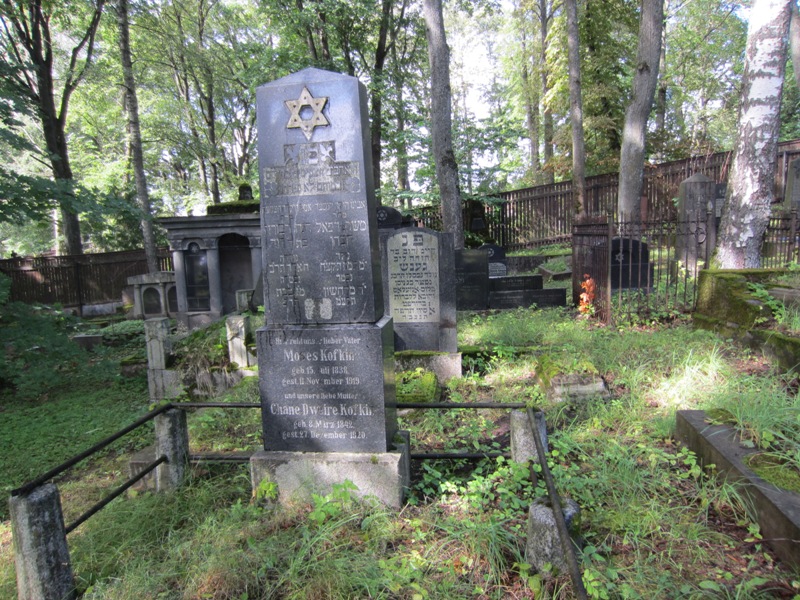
<point x="746" y="211"/>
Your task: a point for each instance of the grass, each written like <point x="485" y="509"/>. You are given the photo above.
<point x="653" y="522"/>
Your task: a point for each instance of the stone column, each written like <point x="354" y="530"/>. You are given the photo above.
<point x="40" y="546"/>
<point x="180" y="281"/>
<point x="214" y="278"/>
<point x="172" y="441"/>
<point x="255" y="258"/>
<point x="162" y="382"/>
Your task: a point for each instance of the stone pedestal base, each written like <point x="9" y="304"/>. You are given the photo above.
<point x="544" y="545"/>
<point x="523" y="446"/>
<point x="299" y="474"/>
<point x="445" y="365"/>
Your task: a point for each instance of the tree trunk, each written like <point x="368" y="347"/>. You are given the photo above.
<point x="576" y="109"/>
<point x="631" y="162"/>
<point x="750" y="187"/>
<point x="135" y="137"/>
<point x="441" y="125"/>
<point x="27" y="27"/>
<point x="661" y="97"/>
<point x="377" y="92"/>
<point x="548" y="175"/>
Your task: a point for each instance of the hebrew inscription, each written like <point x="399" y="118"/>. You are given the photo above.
<point x="413" y="272"/>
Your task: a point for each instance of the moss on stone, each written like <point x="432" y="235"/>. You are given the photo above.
<point x="773" y="469"/>
<point x="418" y="353"/>
<point x="417" y="386"/>
<point x="239" y="207"/>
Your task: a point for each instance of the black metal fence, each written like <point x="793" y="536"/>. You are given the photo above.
<point x="651" y="269"/>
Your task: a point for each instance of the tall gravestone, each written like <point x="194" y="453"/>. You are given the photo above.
<point x="326" y="352"/>
<point x="697" y="196"/>
<point x="792" y="199"/>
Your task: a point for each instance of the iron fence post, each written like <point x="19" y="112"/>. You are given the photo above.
<point x="609" y="241"/>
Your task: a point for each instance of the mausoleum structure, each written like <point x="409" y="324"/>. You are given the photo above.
<point x="213" y="256"/>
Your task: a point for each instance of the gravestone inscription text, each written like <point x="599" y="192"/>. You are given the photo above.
<point x="413" y="271"/>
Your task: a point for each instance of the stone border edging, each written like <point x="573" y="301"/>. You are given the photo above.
<point x="777" y="510"/>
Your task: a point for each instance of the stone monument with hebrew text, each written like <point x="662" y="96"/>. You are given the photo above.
<point x="325" y="354"/>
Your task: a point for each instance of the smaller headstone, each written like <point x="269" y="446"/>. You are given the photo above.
<point x="514" y="291"/>
<point x="476" y="217"/>
<point x="630" y="264"/>
<point x="498" y="266"/>
<point x="389" y="218"/>
<point x="472" y="280"/>
<point x="245" y="192"/>
<point x="239" y="330"/>
<point x="544" y="544"/>
<point x="162" y="383"/>
<point x="87" y="341"/>
<point x="696" y="196"/>
<point x="720" y="191"/>
<point x="418" y="267"/>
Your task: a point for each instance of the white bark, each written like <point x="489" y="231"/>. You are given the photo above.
<point x="750" y="186"/>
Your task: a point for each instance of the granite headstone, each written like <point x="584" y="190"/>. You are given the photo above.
<point x="326" y="354"/>
<point x="419" y="266"/>
<point x="472" y="280"/>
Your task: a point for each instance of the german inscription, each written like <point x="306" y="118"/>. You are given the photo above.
<point x="413" y="272"/>
<point x="322" y="395"/>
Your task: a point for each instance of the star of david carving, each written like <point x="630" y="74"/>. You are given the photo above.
<point x="317" y="119"/>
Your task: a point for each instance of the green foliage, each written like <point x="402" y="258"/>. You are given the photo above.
<point x="333" y="505"/>
<point x="38" y="354"/>
<point x="650" y="515"/>
<point x="418" y="385"/>
<point x="556" y="265"/>
<point x="37" y="436"/>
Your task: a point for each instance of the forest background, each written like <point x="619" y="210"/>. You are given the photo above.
<point x="196" y="65"/>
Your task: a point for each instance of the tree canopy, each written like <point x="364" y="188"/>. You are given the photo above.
<point x="197" y="63"/>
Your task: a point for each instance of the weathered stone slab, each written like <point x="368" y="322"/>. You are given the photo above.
<point x="516" y="282"/>
<point x="298" y="475"/>
<point x="777" y="510"/>
<point x="319" y="238"/>
<point x="523" y="446"/>
<point x="544" y="544"/>
<point x="445" y="365"/>
<point x="329" y="388"/>
<point x="576" y="386"/>
<point x="40" y="546"/>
